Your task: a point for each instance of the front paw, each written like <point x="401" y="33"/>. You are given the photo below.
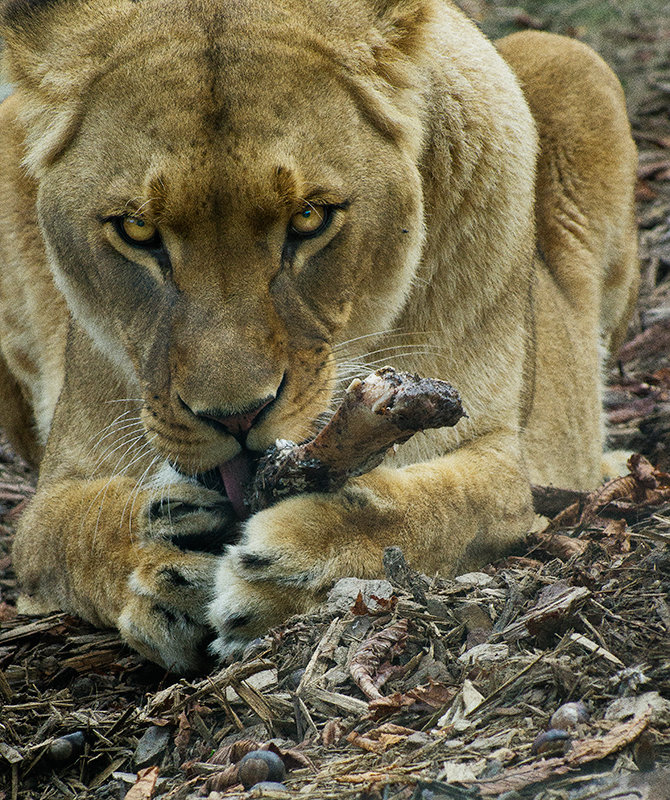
<point x="288" y="558"/>
<point x="183" y="531"/>
<point x="164" y="616"/>
<point x="190" y="517"/>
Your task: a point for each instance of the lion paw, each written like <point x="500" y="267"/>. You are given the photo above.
<point x="190" y="517"/>
<point x="184" y="530"/>
<point x="276" y="571"/>
<point x="164" y="616"/>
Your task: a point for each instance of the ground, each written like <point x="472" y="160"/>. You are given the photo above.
<point x="436" y="689"/>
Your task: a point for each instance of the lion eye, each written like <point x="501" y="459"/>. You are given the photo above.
<point x="139" y="231"/>
<point x="310" y="221"/>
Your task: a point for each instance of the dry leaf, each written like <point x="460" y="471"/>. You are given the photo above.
<point x="360" y="608"/>
<point x="645" y="485"/>
<point x="331" y="733"/>
<point x="422" y="698"/>
<point x="233" y="752"/>
<point x="183" y="735"/>
<point x="561" y="546"/>
<point x="380" y="739"/>
<point x="143" y="788"/>
<point x="368" y="659"/>
<point x="616" y="537"/>
<point x="222" y="780"/>
<point x="646" y="474"/>
<point x="433" y="695"/>
<point x="292" y="758"/>
<point x="385" y="604"/>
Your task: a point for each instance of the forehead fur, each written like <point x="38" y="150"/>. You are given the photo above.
<point x="59" y="49"/>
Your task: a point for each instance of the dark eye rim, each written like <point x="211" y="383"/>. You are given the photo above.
<point x="328" y="214"/>
<point x="154" y="244"/>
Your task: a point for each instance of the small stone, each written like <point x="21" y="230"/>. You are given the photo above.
<point x="67" y="748"/>
<point x="343" y="595"/>
<point x="418" y="739"/>
<point x="474" y="617"/>
<point x="151" y="746"/>
<point x="472" y="579"/>
<point x="551" y="743"/>
<point x="437" y="607"/>
<point x="568" y="716"/>
<point x="260" y="766"/>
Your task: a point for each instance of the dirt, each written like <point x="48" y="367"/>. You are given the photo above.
<point x="435" y="689"/>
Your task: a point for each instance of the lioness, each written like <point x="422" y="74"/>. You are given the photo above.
<point x="215" y="213"/>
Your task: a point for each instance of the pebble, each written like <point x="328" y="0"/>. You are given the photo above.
<point x="551" y="743"/>
<point x="569" y="716"/>
<point x="343" y="595"/>
<point x="151" y="746"/>
<point x="260" y="766"/>
<point x="472" y="579"/>
<point x="67" y="748"/>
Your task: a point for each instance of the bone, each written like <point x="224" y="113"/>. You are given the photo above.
<point x="384" y="409"/>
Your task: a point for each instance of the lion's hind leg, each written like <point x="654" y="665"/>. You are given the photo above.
<point x="16" y="417"/>
<point x="586" y="268"/>
<point x="585" y="211"/>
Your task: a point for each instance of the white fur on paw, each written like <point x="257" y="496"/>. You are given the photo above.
<point x="169" y="638"/>
<point x="167" y="475"/>
<point x="233" y="608"/>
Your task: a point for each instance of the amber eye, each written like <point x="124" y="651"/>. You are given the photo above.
<point x="139" y="230"/>
<point x="310" y="221"/>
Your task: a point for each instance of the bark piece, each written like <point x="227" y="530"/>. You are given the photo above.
<point x="366" y="665"/>
<point x="386" y="408"/>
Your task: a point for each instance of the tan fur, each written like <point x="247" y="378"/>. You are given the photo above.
<point x="451" y="255"/>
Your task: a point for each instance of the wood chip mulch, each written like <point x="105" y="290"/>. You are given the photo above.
<point x="546" y="675"/>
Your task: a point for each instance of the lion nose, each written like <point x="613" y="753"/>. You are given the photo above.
<point x="237" y="425"/>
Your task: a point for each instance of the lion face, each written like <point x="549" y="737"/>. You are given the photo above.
<point x="228" y="210"/>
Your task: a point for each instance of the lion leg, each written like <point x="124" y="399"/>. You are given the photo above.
<point x="141" y="561"/>
<point x="16" y="417"/>
<point x="586" y="173"/>
<point x="587" y="269"/>
<point x="453" y="513"/>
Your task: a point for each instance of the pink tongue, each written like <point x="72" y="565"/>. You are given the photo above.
<point x="236" y="476"/>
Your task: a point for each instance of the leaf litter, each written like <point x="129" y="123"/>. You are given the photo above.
<point x="437" y="688"/>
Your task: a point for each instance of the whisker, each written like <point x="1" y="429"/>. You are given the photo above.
<point x="135" y="493"/>
<point x="116" y="421"/>
<point x="395" y="348"/>
<point x="132" y="436"/>
<point x="391" y="333"/>
<point x="127" y="400"/>
<point x="130" y="425"/>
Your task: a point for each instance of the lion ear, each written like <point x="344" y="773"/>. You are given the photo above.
<point x="54" y="48"/>
<point x="403" y="25"/>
